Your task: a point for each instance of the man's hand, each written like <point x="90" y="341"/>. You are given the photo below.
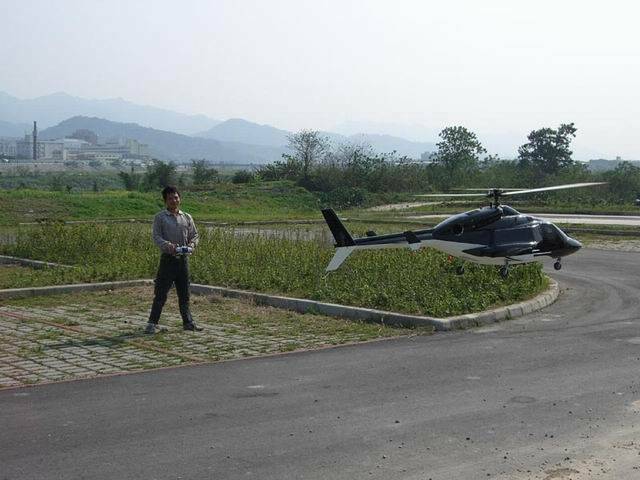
<point x="171" y="249"/>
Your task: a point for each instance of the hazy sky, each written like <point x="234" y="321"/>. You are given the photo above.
<point x="500" y="68"/>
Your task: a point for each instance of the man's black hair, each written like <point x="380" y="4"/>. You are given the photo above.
<point x="168" y="191"/>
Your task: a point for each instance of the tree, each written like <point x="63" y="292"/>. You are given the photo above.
<point x="55" y="183"/>
<point x="458" y="155"/>
<point x="242" y="176"/>
<point x="286" y="169"/>
<point x="547" y="151"/>
<point x="130" y="180"/>
<point x="159" y="175"/>
<point x="308" y="147"/>
<point x="357" y="164"/>
<point x="202" y="174"/>
<point x="624" y="182"/>
<point x="495" y="172"/>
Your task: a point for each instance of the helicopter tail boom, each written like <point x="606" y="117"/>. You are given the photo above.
<point x="345" y="243"/>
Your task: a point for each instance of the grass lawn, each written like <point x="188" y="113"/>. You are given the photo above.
<point x="227" y="202"/>
<point x="16" y="276"/>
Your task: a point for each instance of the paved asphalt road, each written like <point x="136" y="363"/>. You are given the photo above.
<point x="550" y="396"/>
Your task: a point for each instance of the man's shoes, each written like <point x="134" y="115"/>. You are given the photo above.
<point x="151" y="328"/>
<point x="192" y="327"/>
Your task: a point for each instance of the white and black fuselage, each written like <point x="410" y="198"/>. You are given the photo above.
<point x="495" y="235"/>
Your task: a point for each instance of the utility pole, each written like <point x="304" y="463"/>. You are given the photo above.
<point x="35" y="142"/>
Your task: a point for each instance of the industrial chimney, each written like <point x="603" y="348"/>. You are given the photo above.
<point x="35" y="142"/>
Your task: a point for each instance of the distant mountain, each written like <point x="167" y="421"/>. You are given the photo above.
<point x="235" y="136"/>
<point x="414" y="132"/>
<point x="51" y="109"/>
<point x="388" y="144"/>
<point x="8" y="129"/>
<point x="167" y="145"/>
<point x="239" y="130"/>
<point x="503" y="143"/>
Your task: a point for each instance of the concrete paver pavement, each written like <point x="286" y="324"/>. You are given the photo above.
<point x="72" y="336"/>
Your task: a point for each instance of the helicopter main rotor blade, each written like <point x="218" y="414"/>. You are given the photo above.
<point x="487" y="189"/>
<point x="557" y="187"/>
<point x="452" y="195"/>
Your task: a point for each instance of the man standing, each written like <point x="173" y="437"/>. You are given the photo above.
<point x="174" y="233"/>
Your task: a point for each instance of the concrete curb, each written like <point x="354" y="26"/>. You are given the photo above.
<point x="330" y="309"/>
<point x="6" y="259"/>
<point x="503" y="313"/>
<point x="389" y="318"/>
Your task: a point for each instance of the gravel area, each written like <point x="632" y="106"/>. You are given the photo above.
<point x="618" y="245"/>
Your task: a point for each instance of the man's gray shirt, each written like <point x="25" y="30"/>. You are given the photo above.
<point x="177" y="229"/>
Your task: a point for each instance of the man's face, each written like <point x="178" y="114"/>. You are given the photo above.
<point x="172" y="201"/>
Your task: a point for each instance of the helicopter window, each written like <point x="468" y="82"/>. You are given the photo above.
<point x="514" y="235"/>
<point x="509" y="210"/>
<point x="550" y="233"/>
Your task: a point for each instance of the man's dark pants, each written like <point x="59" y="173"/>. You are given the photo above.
<point x="172" y="269"/>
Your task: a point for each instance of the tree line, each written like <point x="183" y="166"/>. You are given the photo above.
<point x="348" y="175"/>
<point x="159" y="174"/>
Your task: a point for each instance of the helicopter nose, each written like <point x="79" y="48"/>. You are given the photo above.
<point x="573" y="244"/>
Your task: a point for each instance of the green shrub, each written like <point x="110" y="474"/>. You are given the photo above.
<point x="242" y="176"/>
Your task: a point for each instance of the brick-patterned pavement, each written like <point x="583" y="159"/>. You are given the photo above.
<point x="63" y="340"/>
<point x="39" y="345"/>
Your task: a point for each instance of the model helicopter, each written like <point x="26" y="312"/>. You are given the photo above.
<point x="493" y="235"/>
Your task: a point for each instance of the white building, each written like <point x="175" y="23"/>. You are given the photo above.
<point x="8" y="148"/>
<point x="72" y="145"/>
<point x="71" y="148"/>
<point x="45" y="149"/>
